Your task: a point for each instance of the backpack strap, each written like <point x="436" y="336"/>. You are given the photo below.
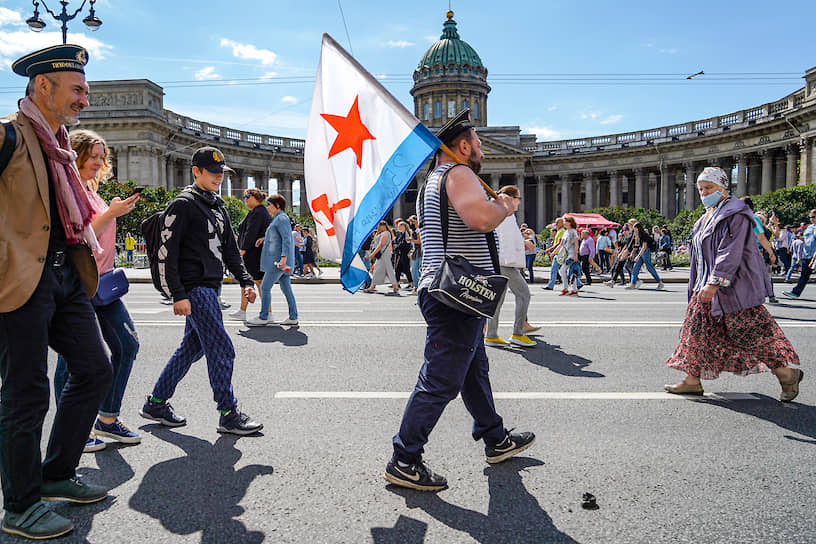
<point x="207" y="211"/>
<point x="9" y="143"/>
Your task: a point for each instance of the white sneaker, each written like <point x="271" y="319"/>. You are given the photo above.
<point x="639" y="284"/>
<point x="289" y="321"/>
<point x="258" y="322"/>
<point x="239" y="315"/>
<point x="320" y="274"/>
<point x="660" y="286"/>
<point x="609" y="283"/>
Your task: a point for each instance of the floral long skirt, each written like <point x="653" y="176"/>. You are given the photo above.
<point x="744" y="342"/>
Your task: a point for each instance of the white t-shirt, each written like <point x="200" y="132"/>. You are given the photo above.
<point x="511" y="243"/>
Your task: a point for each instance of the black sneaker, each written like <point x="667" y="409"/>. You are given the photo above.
<point x="237" y="422"/>
<point x="72" y="490"/>
<point x="513" y="444"/>
<point x="417" y="476"/>
<point x="161" y="412"/>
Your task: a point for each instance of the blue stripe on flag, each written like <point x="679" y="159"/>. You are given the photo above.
<point x="395" y="176"/>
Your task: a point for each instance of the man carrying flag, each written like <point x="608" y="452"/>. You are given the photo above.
<point x="455" y="358"/>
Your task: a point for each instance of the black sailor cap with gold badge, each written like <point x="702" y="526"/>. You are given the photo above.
<point x="455" y="127"/>
<point x="59" y="58"/>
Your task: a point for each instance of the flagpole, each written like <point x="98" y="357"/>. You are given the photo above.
<point x="450" y="154"/>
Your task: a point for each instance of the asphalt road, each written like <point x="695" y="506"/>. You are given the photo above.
<point x="735" y="466"/>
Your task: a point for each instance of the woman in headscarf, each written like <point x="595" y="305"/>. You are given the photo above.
<point x="727" y="328"/>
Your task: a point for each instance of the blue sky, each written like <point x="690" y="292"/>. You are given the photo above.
<point x="198" y="49"/>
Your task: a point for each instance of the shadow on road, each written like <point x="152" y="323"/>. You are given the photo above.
<point x="513" y="514"/>
<point x="288" y="336"/>
<point x="551" y="356"/>
<point x="113" y="471"/>
<point x="199" y="491"/>
<point x="799" y="418"/>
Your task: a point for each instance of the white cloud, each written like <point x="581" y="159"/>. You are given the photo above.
<point x="289" y="100"/>
<point x="205" y="74"/>
<point x="269" y="75"/>
<point x="591" y="115"/>
<point x="552" y="108"/>
<point x="381" y="76"/>
<point x="17" y="43"/>
<point x="401" y="44"/>
<point x="249" y="51"/>
<point x="431" y="39"/>
<point x="543" y="133"/>
<point x="672" y="51"/>
<point x="612" y="119"/>
<point x="10" y="17"/>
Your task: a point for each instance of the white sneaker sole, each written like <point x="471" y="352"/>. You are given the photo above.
<point x="118" y="438"/>
<point x="509" y="454"/>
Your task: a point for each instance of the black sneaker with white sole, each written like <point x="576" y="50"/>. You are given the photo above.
<point x="161" y="412"/>
<point x="416" y="476"/>
<point x="513" y="444"/>
<point x="237" y="422"/>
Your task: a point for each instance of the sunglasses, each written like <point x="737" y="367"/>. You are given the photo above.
<point x="246" y="196"/>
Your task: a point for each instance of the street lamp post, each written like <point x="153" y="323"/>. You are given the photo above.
<point x="36" y="24"/>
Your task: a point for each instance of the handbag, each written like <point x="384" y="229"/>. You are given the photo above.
<point x="561" y="256"/>
<point x="457" y="283"/>
<point x="113" y="285"/>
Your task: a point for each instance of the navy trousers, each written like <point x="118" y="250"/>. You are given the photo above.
<point x="204" y="334"/>
<point x="455" y="362"/>
<point x="58" y="314"/>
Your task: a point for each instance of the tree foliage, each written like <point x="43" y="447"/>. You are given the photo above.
<point x="620" y="214"/>
<point x="791" y="205"/>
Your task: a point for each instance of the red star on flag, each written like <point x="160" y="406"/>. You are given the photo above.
<point x="351" y="132"/>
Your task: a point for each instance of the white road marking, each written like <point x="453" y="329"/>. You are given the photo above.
<point x="517" y="395"/>
<point x="544" y="324"/>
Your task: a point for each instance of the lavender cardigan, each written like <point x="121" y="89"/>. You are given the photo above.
<point x="730" y="252"/>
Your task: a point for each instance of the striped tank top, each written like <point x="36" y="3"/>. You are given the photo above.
<point x="462" y="240"/>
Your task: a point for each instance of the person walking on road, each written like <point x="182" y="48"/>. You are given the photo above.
<point x="641" y="246"/>
<point x="118" y="331"/>
<point x="250" y="230"/>
<point x="727" y="327"/>
<point x="276" y="262"/>
<point x="197" y="240"/>
<point x="551" y="251"/>
<point x="48" y="276"/>
<point x="416" y="252"/>
<point x="808" y="261"/>
<point x="568" y="254"/>
<point x="511" y="262"/>
<point x="380" y="255"/>
<point x="455" y="359"/>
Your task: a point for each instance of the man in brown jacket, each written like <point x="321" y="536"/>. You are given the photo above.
<point x="47" y="274"/>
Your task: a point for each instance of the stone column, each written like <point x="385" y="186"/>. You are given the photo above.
<point x="187" y="176"/>
<point x="122" y="164"/>
<point x="691" y="185"/>
<point x="518" y="181"/>
<point x="791" y="160"/>
<point x="742" y="175"/>
<point x="541" y="205"/>
<point x="652" y="191"/>
<point x="807" y="161"/>
<point x="640" y="188"/>
<point x="754" y="175"/>
<point x="614" y="188"/>
<point x="779" y="170"/>
<point x="304" y="200"/>
<point x="285" y="188"/>
<point x="565" y="193"/>
<point x="396" y="209"/>
<point x="156" y="172"/>
<point x="626" y="180"/>
<point x="767" y="171"/>
<point x="666" y="190"/>
<point x="589" y="193"/>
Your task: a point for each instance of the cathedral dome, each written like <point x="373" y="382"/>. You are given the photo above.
<point x="450" y="49"/>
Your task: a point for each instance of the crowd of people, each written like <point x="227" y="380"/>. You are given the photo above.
<point x="59" y="238"/>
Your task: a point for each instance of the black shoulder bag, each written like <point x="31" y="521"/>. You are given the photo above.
<point x="9" y="142"/>
<point x="471" y="290"/>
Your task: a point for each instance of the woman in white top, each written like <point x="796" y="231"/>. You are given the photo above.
<point x="569" y="243"/>
<point x="380" y="255"/>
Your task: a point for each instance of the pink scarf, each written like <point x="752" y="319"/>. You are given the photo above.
<point x="74" y="207"/>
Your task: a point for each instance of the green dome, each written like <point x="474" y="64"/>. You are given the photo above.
<point x="450" y="49"/>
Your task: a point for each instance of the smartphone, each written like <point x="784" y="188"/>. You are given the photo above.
<point x="136" y="191"/>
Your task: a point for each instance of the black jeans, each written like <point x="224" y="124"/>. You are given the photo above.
<point x="58" y="314"/>
<point x="803" y="279"/>
<point x="585" y="267"/>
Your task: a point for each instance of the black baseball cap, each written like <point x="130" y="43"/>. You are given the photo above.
<point x="58" y="58"/>
<point x="211" y="158"/>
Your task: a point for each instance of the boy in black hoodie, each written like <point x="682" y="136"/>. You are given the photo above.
<point x="197" y="239"/>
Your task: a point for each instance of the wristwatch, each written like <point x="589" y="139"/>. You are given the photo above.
<point x="716" y="280"/>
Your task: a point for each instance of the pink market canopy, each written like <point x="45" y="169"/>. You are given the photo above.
<point x="590" y="220"/>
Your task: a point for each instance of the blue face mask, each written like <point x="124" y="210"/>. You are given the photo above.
<point x="711" y="199"/>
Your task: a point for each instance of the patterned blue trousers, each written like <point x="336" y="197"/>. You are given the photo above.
<point x="204" y="334"/>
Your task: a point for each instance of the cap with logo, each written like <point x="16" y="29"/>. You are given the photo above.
<point x="58" y="58"/>
<point x="455" y="127"/>
<point x="210" y="158"/>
